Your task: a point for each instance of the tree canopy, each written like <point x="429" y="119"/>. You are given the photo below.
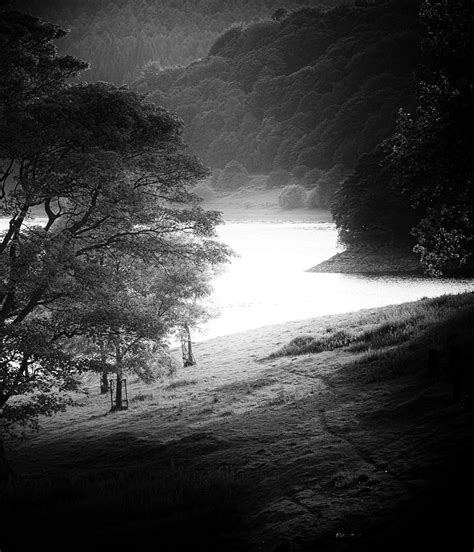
<point x="118" y="37"/>
<point x="417" y="187"/>
<point x="311" y="87"/>
<point x="90" y="173"/>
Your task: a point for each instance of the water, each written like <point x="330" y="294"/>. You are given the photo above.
<point x="268" y="284"/>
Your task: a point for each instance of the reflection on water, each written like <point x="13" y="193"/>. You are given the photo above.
<point x="267" y="283"/>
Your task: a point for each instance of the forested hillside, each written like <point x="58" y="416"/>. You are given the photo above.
<point x="119" y="36"/>
<point x="308" y="88"/>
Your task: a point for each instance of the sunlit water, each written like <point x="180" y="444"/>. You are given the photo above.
<point x="268" y="284"/>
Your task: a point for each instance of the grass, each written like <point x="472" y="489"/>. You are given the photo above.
<point x="181" y="383"/>
<point x="430" y="320"/>
<point x="165" y="499"/>
<point x="141" y="397"/>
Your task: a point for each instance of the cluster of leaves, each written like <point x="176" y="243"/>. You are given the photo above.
<point x="309" y="88"/>
<point x="292" y="196"/>
<point x="416" y="188"/>
<point x="118" y="37"/>
<point x="103" y="238"/>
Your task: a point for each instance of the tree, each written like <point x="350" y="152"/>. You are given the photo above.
<point x="292" y="196"/>
<point x="134" y="305"/>
<point x="432" y="149"/>
<point x="369" y="208"/>
<point x="106" y="175"/>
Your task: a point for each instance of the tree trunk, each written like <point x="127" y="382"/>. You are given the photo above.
<point x="118" y="393"/>
<point x="104" y="386"/>
<point x="104" y="382"/>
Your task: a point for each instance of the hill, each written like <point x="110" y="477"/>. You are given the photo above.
<point x="327" y="434"/>
<point x="309" y="90"/>
<point x="118" y="37"/>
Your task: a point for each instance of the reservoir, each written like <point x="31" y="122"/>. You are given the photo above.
<point x="267" y="282"/>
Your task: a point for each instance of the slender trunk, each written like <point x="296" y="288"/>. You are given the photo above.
<point x="104" y="385"/>
<point x="118" y="393"/>
<point x="119" y="372"/>
<point x="104" y="382"/>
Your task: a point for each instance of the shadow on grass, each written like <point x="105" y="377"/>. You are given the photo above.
<point x="176" y="507"/>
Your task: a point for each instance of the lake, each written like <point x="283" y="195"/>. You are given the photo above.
<point x="267" y="283"/>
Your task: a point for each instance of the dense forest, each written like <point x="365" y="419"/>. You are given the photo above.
<point x="308" y="88"/>
<point x="118" y="37"/>
<point x="415" y="188"/>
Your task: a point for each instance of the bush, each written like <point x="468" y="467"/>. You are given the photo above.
<point x="277" y="179"/>
<point x="313" y="199"/>
<point x="299" y="171"/>
<point x="233" y="176"/>
<point x="311" y="178"/>
<point x="292" y="197"/>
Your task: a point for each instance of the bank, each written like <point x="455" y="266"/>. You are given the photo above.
<point x="334" y="433"/>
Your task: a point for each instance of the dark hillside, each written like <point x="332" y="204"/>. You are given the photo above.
<point x="118" y="37"/>
<point x="312" y="88"/>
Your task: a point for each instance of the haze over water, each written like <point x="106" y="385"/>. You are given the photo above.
<point x="267" y="283"/>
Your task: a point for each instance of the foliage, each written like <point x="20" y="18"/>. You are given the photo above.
<point x="432" y="149"/>
<point x="299" y="171"/>
<point x="292" y="197"/>
<point x="233" y="176"/>
<point x="277" y="179"/>
<point x="369" y="208"/>
<point x="119" y="37"/>
<point x="416" y="188"/>
<point x="314" y="88"/>
<point x="106" y="176"/>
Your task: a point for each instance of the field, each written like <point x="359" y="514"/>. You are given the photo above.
<point x="327" y="434"/>
<point x="255" y="203"/>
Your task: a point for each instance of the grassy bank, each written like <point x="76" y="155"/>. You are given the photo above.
<point x="329" y="434"/>
<point x="255" y="203"/>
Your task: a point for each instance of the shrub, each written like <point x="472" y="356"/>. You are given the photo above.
<point x="311" y="178"/>
<point x="313" y="199"/>
<point x="299" y="171"/>
<point x="292" y="197"/>
<point x="277" y="179"/>
<point x="233" y="176"/>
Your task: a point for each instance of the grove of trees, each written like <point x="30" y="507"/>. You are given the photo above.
<point x="308" y="88"/>
<point x="416" y="188"/>
<point x="103" y="240"/>
<point x="118" y="37"/>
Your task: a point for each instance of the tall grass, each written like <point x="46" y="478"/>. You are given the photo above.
<point x="395" y="325"/>
<point x="176" y="502"/>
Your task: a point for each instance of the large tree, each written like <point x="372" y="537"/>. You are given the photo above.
<point x="87" y="172"/>
<point x="432" y="148"/>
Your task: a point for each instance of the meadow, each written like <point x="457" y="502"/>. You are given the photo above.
<point x="335" y="433"/>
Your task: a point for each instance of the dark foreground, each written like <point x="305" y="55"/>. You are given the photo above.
<point x="347" y="438"/>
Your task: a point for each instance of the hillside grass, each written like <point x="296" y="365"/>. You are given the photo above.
<point x="342" y="430"/>
<point x="431" y="322"/>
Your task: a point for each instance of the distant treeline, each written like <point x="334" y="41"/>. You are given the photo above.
<point x="118" y="37"/>
<point x="309" y="88"/>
